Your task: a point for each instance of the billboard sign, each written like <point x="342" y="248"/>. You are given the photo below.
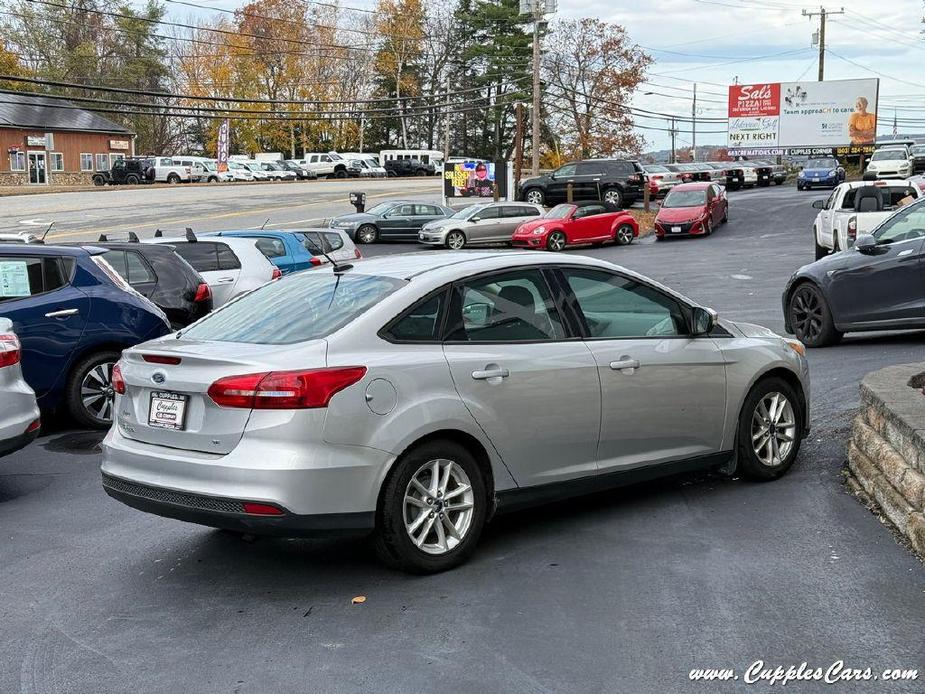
<point x="837" y="113"/>
<point x="475" y="179"/>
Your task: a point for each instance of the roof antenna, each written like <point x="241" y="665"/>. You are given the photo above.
<point x="190" y="236"/>
<point x="158" y="233"/>
<point x="264" y="225"/>
<point x="42" y="240"/>
<point x="133" y="237"/>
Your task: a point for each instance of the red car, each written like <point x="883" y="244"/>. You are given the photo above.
<point x="572" y="224"/>
<point x="692" y="209"/>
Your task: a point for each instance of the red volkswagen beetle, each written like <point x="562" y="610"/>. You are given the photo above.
<point x="573" y="224"/>
<point x="692" y="209"/>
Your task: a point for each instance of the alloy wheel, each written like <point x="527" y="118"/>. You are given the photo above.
<point x="625" y="235"/>
<point x="806" y="315"/>
<point x="438" y="506"/>
<point x="97" y="393"/>
<point x="556" y="241"/>
<point x="366" y="234"/>
<point x="455" y="240"/>
<point x="773" y="429"/>
<point x="534" y="197"/>
<point x="613" y="197"/>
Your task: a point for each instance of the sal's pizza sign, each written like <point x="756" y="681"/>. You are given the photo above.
<point x="754" y="100"/>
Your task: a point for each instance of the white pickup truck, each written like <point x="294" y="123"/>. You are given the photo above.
<point x="856" y="208"/>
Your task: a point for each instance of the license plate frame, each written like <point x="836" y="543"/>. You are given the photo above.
<point x="675" y="230"/>
<point x="159" y="402"/>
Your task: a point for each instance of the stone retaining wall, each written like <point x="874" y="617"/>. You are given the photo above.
<point x="886" y="454"/>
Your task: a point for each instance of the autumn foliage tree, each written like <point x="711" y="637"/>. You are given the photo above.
<point x="591" y="71"/>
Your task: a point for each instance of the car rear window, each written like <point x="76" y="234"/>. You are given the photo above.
<point x="201" y="256"/>
<point x="300" y="307"/>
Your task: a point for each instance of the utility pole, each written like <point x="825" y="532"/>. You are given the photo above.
<point x="518" y="143"/>
<point x="674" y="159"/>
<point x="694" y="125"/>
<point x="535" y="126"/>
<point x="822" y="14"/>
<point x="446" y="123"/>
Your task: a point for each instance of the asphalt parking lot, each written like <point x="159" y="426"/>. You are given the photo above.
<point x="625" y="591"/>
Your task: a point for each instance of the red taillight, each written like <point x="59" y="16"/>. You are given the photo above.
<point x="160" y="359"/>
<point x="284" y="390"/>
<point x="277" y="273"/>
<point x="357" y="254"/>
<point x="118" y="383"/>
<point x="10" y="352"/>
<point x="35" y="426"/>
<point x="656" y="177"/>
<point x="203" y="293"/>
<point x="256" y="509"/>
<point x="853" y="228"/>
<point x="316" y="261"/>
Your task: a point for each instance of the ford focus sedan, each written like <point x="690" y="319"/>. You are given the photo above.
<point x="415" y="396"/>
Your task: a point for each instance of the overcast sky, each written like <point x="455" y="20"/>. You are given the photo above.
<point x="713" y="42"/>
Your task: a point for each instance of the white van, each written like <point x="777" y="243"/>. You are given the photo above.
<point x="368" y="162"/>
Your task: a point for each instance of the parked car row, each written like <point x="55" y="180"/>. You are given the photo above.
<point x="74" y="307"/>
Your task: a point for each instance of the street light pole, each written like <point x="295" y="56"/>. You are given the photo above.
<point x="694" y="125"/>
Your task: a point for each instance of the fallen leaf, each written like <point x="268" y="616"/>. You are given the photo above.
<point x="359" y="599"/>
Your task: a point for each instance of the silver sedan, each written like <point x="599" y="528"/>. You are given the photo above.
<point x="415" y="396"/>
<point x="19" y="414"/>
<point x="478" y="225"/>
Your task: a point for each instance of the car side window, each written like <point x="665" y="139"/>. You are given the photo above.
<point x="138" y="270"/>
<point x="621" y="307"/>
<point x="903" y="226"/>
<point x="22" y="276"/>
<point x="167" y="162"/>
<point x="509" y="307"/>
<point x="567" y="170"/>
<point x="588" y="169"/>
<point x="421" y="322"/>
<point x="830" y="201"/>
<point x="527" y="212"/>
<point x="227" y="260"/>
<point x="492" y="212"/>
<point x="117" y="260"/>
<point x="427" y="210"/>
<point x="271" y="248"/>
<point x="402" y="211"/>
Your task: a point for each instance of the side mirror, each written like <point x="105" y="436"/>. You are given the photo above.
<point x="703" y="320"/>
<point x="819" y="204"/>
<point x="866" y="244"/>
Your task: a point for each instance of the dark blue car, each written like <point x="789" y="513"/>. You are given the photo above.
<point x="74" y="315"/>
<point x="821" y="172"/>
<point x="296" y="250"/>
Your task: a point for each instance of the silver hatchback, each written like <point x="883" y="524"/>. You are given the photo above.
<point x="479" y="225"/>
<point x="414" y="396"/>
<point x="19" y="414"/>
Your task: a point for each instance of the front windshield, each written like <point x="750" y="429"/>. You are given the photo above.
<point x="685" y="198"/>
<point x="209" y="165"/>
<point x="918" y="149"/>
<point x="467" y="212"/>
<point x="300" y="307"/>
<point x="559" y="212"/>
<point x="888" y="155"/>
<point x="906" y="224"/>
<point x="821" y="164"/>
<point x="655" y="169"/>
<point x="381" y="208"/>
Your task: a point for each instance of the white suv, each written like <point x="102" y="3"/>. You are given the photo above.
<point x="169" y="170"/>
<point x="19" y="414"/>
<point x="324" y="164"/>
<point x="894" y="161"/>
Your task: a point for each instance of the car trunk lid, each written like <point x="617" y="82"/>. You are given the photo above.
<point x="170" y="378"/>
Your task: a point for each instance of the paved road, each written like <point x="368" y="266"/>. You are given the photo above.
<point x="83" y="216"/>
<point x="621" y="592"/>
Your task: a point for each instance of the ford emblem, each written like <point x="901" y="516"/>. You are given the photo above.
<point x="158" y="377"/>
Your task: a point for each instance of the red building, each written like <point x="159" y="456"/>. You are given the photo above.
<point x="49" y="141"/>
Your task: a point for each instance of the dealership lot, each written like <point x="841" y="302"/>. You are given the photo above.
<point x="613" y="592"/>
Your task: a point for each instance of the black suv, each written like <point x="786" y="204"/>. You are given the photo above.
<point x="408" y="167"/>
<point x="130" y="171"/>
<point x="616" y="181"/>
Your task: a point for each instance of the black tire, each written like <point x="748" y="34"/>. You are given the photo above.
<point x="614" y="196"/>
<point x="725" y="214"/>
<point x="132" y="180"/>
<point x="81" y="413"/>
<point x="752" y="419"/>
<point x="821" y="251"/>
<point x="367" y="234"/>
<point x="99" y="181"/>
<point x="535" y="196"/>
<point x="810" y="317"/>
<point x="778" y="181"/>
<point x="556" y="241"/>
<point x="212" y="179"/>
<point x="341" y="173"/>
<point x="708" y="227"/>
<point x="623" y="235"/>
<point x="455" y="240"/>
<point x="391" y="539"/>
<point x="173" y="179"/>
<point x="421" y="172"/>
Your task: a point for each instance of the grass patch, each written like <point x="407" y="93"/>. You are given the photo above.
<point x="645" y="220"/>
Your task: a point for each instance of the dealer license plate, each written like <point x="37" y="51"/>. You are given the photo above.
<point x="675" y="230"/>
<point x="815" y="179"/>
<point x="168" y="410"/>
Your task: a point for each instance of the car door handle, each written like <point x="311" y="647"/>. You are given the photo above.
<point x="908" y="251"/>
<point x="63" y="313"/>
<point x="624" y="363"/>
<point x="490" y="373"/>
<point x="224" y="280"/>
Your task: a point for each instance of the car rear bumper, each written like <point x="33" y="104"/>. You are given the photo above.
<point x="319" y="487"/>
<point x="15" y="443"/>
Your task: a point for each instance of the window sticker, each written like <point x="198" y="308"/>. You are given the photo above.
<point x="14" y="278"/>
